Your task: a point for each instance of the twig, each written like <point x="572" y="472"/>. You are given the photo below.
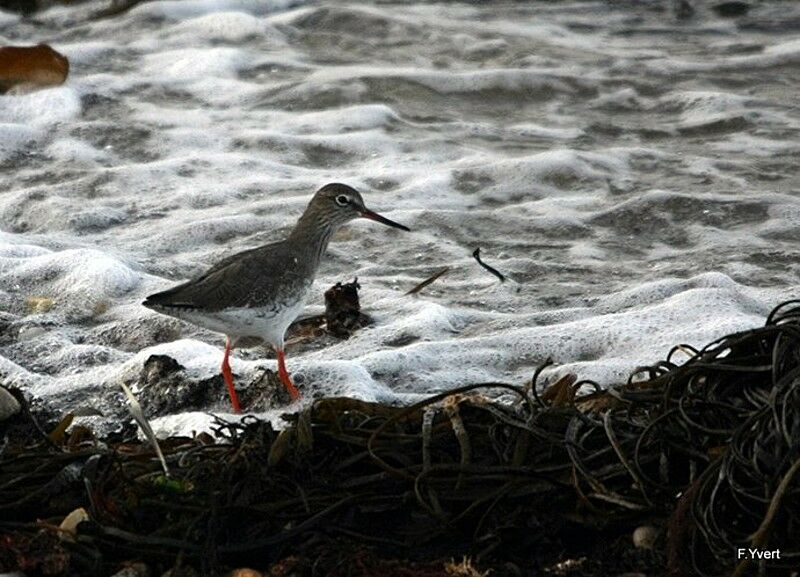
<point x="477" y="255"/>
<point x="428" y="281"/>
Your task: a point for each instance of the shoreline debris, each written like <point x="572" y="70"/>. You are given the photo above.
<point x="430" y="280"/>
<point x="343" y="314"/>
<point x="31" y="67"/>
<point x="692" y="460"/>
<point x="476" y="254"/>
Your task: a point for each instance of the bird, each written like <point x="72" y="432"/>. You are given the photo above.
<point x="257" y="293"/>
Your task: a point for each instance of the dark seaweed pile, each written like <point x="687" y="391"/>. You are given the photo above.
<point x="554" y="483"/>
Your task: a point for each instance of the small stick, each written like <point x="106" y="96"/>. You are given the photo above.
<point x="428" y="281"/>
<point x="477" y="254"/>
<point x="138" y="415"/>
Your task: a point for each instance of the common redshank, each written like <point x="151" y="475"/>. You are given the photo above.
<point x="259" y="292"/>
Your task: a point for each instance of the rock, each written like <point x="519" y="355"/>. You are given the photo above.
<point x="732" y="9"/>
<point x="9" y="405"/>
<point x="31" y="66"/>
<point x="164" y="387"/>
<point x="644" y="537"/>
<point x="158" y="366"/>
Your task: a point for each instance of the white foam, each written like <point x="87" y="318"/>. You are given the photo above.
<point x="345" y="119"/>
<point x="14" y="375"/>
<point x="76" y="279"/>
<point x="76" y="151"/>
<point x="756" y="145"/>
<point x="450" y="82"/>
<point x="84" y="53"/>
<point x="6" y="19"/>
<point x="781" y="54"/>
<point x="703" y="108"/>
<point x="341" y="378"/>
<point x="42" y="108"/>
<point x="197" y="358"/>
<point x="623" y="99"/>
<point x="222" y="26"/>
<point x="10" y="249"/>
<point x="15" y="137"/>
<point x="566" y="170"/>
<point x="554" y="133"/>
<point x="26" y="118"/>
<point x="189" y="423"/>
<point x="192" y="64"/>
<point x="635" y="188"/>
<point x="184" y="9"/>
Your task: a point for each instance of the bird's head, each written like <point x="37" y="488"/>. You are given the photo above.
<point x="337" y="204"/>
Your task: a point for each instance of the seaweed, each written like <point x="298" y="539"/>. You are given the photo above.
<point x="554" y="481"/>
<point x="476" y="254"/>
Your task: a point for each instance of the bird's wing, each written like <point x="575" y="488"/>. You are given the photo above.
<point x="249" y="278"/>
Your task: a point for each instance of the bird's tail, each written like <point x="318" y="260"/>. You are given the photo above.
<point x="169" y="297"/>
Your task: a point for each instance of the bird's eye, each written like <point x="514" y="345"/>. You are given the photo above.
<point x="342" y="200"/>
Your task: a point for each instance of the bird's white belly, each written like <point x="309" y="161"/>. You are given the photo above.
<point x="267" y="323"/>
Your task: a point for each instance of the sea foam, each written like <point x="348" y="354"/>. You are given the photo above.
<point x="631" y="175"/>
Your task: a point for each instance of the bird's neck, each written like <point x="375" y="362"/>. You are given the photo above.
<point x="311" y="235"/>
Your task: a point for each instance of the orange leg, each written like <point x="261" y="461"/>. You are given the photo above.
<point x="284" y="376"/>
<point x="228" y="376"/>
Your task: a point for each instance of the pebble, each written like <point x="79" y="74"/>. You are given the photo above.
<point x="644" y="537"/>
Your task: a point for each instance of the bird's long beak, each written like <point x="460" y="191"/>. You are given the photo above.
<point x="366" y="213"/>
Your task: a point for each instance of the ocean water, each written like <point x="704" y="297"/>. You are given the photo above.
<point x="633" y="173"/>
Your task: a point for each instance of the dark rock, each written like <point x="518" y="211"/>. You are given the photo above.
<point x="159" y="366"/>
<point x="731" y="9"/>
<point x="165" y="388"/>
